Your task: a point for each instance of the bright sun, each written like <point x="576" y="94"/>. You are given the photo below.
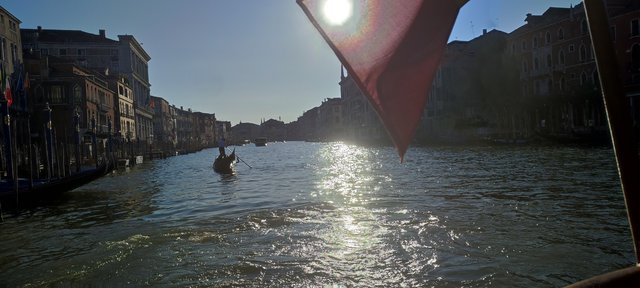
<point x="336" y="12"/>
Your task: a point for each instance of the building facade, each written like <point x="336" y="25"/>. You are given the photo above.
<point x="10" y="41"/>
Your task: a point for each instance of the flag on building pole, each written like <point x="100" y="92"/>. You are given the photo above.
<point x="392" y="49"/>
<point x="7" y="91"/>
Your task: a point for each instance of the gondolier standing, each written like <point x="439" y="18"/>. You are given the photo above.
<point x="221" y="146"/>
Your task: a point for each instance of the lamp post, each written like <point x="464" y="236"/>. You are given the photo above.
<point x="94" y="142"/>
<point x="48" y="139"/>
<point x="6" y="128"/>
<point x="76" y="124"/>
<point x="150" y="137"/>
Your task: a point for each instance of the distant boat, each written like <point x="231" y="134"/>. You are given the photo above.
<point x="224" y="164"/>
<point x="260" y="141"/>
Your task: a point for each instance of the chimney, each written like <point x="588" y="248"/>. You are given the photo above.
<point x="484" y="31"/>
<point x="39" y="28"/>
<point x="102" y="33"/>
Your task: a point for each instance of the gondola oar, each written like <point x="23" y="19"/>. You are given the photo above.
<point x="245" y="163"/>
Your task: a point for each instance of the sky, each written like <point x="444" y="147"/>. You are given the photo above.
<point x="244" y="60"/>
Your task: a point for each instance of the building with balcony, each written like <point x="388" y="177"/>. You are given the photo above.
<point x="124" y="57"/>
<point x="125" y="115"/>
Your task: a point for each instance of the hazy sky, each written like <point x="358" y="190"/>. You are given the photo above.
<point x="244" y="60"/>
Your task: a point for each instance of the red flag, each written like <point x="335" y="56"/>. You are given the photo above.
<point x="7" y="93"/>
<point x="391" y="48"/>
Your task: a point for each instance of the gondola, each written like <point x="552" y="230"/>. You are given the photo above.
<point x="224" y="164"/>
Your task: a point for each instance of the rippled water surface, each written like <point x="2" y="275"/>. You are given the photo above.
<point x="310" y="214"/>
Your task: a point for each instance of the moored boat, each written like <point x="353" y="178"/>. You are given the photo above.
<point x="41" y="189"/>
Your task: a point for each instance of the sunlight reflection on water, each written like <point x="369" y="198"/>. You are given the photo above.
<point x="332" y="214"/>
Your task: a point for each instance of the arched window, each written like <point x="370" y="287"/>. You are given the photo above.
<point x="561" y="57"/>
<point x="583" y="53"/>
<point x="547" y="38"/>
<point x="583" y="78"/>
<point x="535" y="42"/>
<point x="536" y="64"/>
<point x="560" y="34"/>
<point x="562" y="84"/>
<point x="549" y="60"/>
<point x="583" y="27"/>
<point x="525" y="66"/>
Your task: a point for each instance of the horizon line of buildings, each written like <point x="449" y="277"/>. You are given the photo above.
<point x="537" y="82"/>
<point x="542" y="82"/>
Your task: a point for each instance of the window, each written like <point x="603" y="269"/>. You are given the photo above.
<point x="583" y="27"/>
<point x="536" y="64"/>
<point x="583" y="53"/>
<point x="635" y="57"/>
<point x="513" y="48"/>
<point x="635" y="27"/>
<point x="560" y="34"/>
<point x="56" y="94"/>
<point x="549" y="60"/>
<point x="62" y="52"/>
<point x="524" y="45"/>
<point x="525" y="67"/>
<point x="562" y="83"/>
<point x="572" y="48"/>
<point x="583" y="78"/>
<point x="613" y="33"/>
<point x="547" y="38"/>
<point x="561" y="57"/>
<point x="535" y="42"/>
<point x="81" y="52"/>
<point x="3" y="45"/>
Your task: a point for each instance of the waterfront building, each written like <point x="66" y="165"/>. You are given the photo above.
<point x="307" y="125"/>
<point x="360" y="121"/>
<point x="70" y="90"/>
<point x="133" y="62"/>
<point x="244" y="131"/>
<point x="164" y="124"/>
<point x="558" y="76"/>
<point x="466" y="104"/>
<point x="184" y="129"/>
<point x="97" y="52"/>
<point x="124" y="121"/>
<point x="205" y="129"/>
<point x="274" y="130"/>
<point x="10" y="41"/>
<point x="223" y="129"/>
<point x="330" y="123"/>
<point x="625" y="30"/>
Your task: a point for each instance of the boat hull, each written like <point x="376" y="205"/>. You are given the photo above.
<point x="224" y="164"/>
<point x="46" y="190"/>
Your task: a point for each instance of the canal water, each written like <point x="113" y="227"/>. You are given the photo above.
<point x="331" y="214"/>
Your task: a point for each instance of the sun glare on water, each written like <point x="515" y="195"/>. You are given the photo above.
<point x="336" y="12"/>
